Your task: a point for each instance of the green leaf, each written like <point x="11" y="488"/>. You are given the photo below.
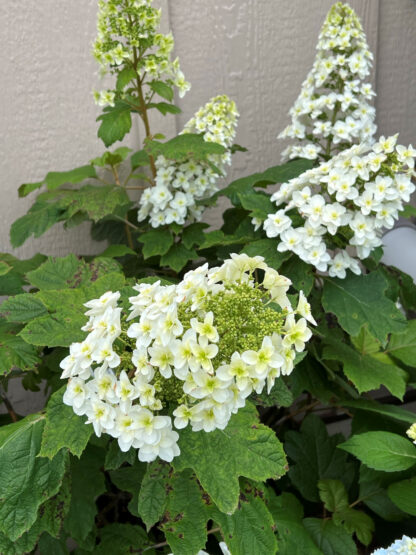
<point x="53" y="180"/>
<point x="177" y="257"/>
<point x="280" y="395"/>
<point x="356" y="522"/>
<point x="87" y="485"/>
<point x="403" y="494"/>
<point x="22" y="308"/>
<point x="117" y="251"/>
<point x="365" y="343"/>
<point x="153" y="493"/>
<point x="114" y="457"/>
<point x="359" y="300"/>
<point x="276" y="174"/>
<point x="120" y="539"/>
<point x="185" y="518"/>
<point x="4" y="268"/>
<point x="333" y="495"/>
<point x="194" y="234"/>
<point x="139" y="159"/>
<point x="39" y="219"/>
<point x="330" y="538"/>
<point x="391" y="411"/>
<point x="96" y="202"/>
<point x="162" y="89"/>
<point x="31" y="480"/>
<point x="373" y="492"/>
<point x="126" y="75"/>
<point x="115" y="123"/>
<point x="258" y="204"/>
<point x="55" y="330"/>
<point x="63" y="428"/>
<point x="316" y="457"/>
<point x="293" y="538"/>
<point x="165" y="108"/>
<point x="156" y="242"/>
<point x="112" y="158"/>
<point x="267" y="248"/>
<point x="403" y="345"/>
<point x="14" y="351"/>
<point x="129" y="479"/>
<point x="27" y="188"/>
<point x="55" y="273"/>
<point x="382" y="450"/>
<point x="246" y="447"/>
<point x="52" y="546"/>
<point x="249" y="529"/>
<point x="408" y="211"/>
<point x="23" y="266"/>
<point x="300" y="273"/>
<point x="366" y="372"/>
<point x="185" y="147"/>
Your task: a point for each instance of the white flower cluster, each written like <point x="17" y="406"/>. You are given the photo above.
<point x="403" y="546"/>
<point x="180" y="185"/>
<point x="411" y="433"/>
<point x="200" y="347"/>
<point x="345" y="202"/>
<point x="332" y="111"/>
<point x="127" y="38"/>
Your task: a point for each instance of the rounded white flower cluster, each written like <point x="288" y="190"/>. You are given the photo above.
<point x="345" y="202"/>
<point x="127" y="39"/>
<point x="180" y="185"/>
<point x="403" y="546"/>
<point x="198" y="349"/>
<point x="332" y="111"/>
<point x="411" y="432"/>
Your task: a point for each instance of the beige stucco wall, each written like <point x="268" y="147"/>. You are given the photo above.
<point x="257" y="51"/>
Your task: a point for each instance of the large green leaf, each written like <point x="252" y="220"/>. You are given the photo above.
<point x="114" y="457"/>
<point x="156" y="242"/>
<point x="373" y="492"/>
<point x="115" y="123"/>
<point x="403" y="345"/>
<point x="177" y="257"/>
<point x="129" y="478"/>
<point x="185" y="518"/>
<point x="14" y="351"/>
<point x="403" y="494"/>
<point x="63" y="428"/>
<point x="153" y="493"/>
<point x="330" y="538"/>
<point x="360" y="300"/>
<point x="87" y="484"/>
<point x="382" y="450"/>
<point x="53" y="180"/>
<point x="293" y="538"/>
<point x="250" y="528"/>
<point x="26" y="480"/>
<point x="185" y="147"/>
<point x="333" y="495"/>
<point x="315" y="456"/>
<point x="22" y="308"/>
<point x="120" y="539"/>
<point x="162" y="89"/>
<point x="391" y="411"/>
<point x="39" y="219"/>
<point x="60" y="329"/>
<point x="300" y="273"/>
<point x="245" y="448"/>
<point x="366" y="372"/>
<point x="55" y="273"/>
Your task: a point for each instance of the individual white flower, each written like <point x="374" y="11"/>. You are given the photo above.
<point x="297" y="333"/>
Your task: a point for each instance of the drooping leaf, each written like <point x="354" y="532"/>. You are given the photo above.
<point x="250" y="528"/>
<point x="315" y="457"/>
<point x="31" y="480"/>
<point x="63" y="428"/>
<point x="185" y="518"/>
<point x="245" y="447"/>
<point x="156" y="242"/>
<point x="14" y="351"/>
<point x="115" y="123"/>
<point x="360" y="300"/>
<point x="139" y="159"/>
<point x="403" y="494"/>
<point x="162" y="89"/>
<point x="330" y="538"/>
<point x="373" y="492"/>
<point x="366" y="372"/>
<point x="177" y="257"/>
<point x="391" y="411"/>
<point x="117" y="251"/>
<point x="382" y="450"/>
<point x="53" y="180"/>
<point x="165" y="108"/>
<point x="126" y="75"/>
<point x="87" y="485"/>
<point x="153" y="493"/>
<point x="114" y="457"/>
<point x="39" y="219"/>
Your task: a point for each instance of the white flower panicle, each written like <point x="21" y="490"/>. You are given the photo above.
<point x="411" y="432"/>
<point x="332" y="111"/>
<point x="345" y="202"/>
<point x="180" y="185"/>
<point x="403" y="546"/>
<point x="198" y="348"/>
<point x="128" y="39"/>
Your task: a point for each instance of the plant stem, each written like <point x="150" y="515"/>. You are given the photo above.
<point x="126" y="226"/>
<point x="8" y="405"/>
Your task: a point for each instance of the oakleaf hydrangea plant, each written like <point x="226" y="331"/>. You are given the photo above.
<point x="181" y="184"/>
<point x="332" y="111"/>
<point x="341" y="207"/>
<point x="201" y="346"/>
